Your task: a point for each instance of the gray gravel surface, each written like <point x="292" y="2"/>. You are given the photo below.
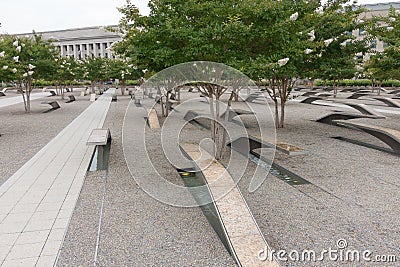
<point x="354" y="192"/>
<point x="79" y="248"/>
<point x="353" y="195"/>
<point x="137" y="230"/>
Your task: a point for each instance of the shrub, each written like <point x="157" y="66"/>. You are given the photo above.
<point x="359" y="82"/>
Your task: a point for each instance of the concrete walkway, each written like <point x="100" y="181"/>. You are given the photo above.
<point x="18" y="99"/>
<point x="36" y="203"/>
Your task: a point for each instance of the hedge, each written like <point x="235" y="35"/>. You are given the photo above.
<point x="360" y="82"/>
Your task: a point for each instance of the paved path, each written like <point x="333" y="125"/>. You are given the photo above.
<point x="36" y="203"/>
<point x="18" y="99"/>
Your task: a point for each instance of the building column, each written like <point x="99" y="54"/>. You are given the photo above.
<point x="62" y="50"/>
<point x="110" y="53"/>
<point x="76" y="52"/>
<point x="102" y="50"/>
<point x="95" y="50"/>
<point x="68" y="50"/>
<point x="81" y="49"/>
<point x="88" y="50"/>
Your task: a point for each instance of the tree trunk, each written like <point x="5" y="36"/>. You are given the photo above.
<point x="123" y="86"/>
<point x="28" y="95"/>
<point x="224" y="133"/>
<point x="25" y="104"/>
<point x="162" y="106"/>
<point x="276" y="113"/>
<point x="379" y="88"/>
<point x="62" y="92"/>
<point x="211" y="103"/>
<point x="282" y="121"/>
<point x="335" y="90"/>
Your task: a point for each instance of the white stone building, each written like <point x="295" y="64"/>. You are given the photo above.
<point x="82" y="43"/>
<point x="379" y="9"/>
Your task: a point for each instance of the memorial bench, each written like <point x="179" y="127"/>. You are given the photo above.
<point x="346" y="90"/>
<point x="310" y="93"/>
<point x="254" y="96"/>
<point x="99" y="137"/>
<point x="358" y="95"/>
<point x="71" y="99"/>
<point x="311" y="99"/>
<point x="394" y="92"/>
<point x="236" y="112"/>
<point x="332" y="118"/>
<point x="364" y="109"/>
<point x="324" y="95"/>
<point x="170" y="103"/>
<point x="388" y="101"/>
<point x="389" y="136"/>
<point x="54" y="105"/>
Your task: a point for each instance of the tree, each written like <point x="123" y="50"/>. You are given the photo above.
<point x="308" y="40"/>
<point x="385" y="65"/>
<point x="277" y="40"/>
<point x="67" y="70"/>
<point x="122" y="70"/>
<point x="24" y="59"/>
<point x="95" y="70"/>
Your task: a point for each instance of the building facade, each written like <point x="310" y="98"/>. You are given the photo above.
<point x="375" y="10"/>
<point x="82" y="43"/>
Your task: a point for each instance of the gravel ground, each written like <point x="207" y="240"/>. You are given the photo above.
<point x="352" y="195"/>
<point x="353" y="192"/>
<point x="23" y="135"/>
<point x="136" y="229"/>
<point x="79" y="248"/>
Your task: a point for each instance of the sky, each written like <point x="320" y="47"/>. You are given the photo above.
<point x="23" y="16"/>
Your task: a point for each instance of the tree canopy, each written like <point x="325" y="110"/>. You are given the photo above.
<point x="276" y="40"/>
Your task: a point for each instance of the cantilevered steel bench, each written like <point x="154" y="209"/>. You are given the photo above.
<point x="236" y="112"/>
<point x="311" y="99"/>
<point x="254" y="96"/>
<point x="54" y="105"/>
<point x="332" y="118"/>
<point x="358" y="95"/>
<point x="388" y="101"/>
<point x="99" y="137"/>
<point x="364" y="109"/>
<point x="71" y="99"/>
<point x="389" y="136"/>
<point x="310" y="93"/>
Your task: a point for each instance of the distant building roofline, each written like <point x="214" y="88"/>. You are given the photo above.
<point x="69" y="29"/>
<point x="382" y="6"/>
